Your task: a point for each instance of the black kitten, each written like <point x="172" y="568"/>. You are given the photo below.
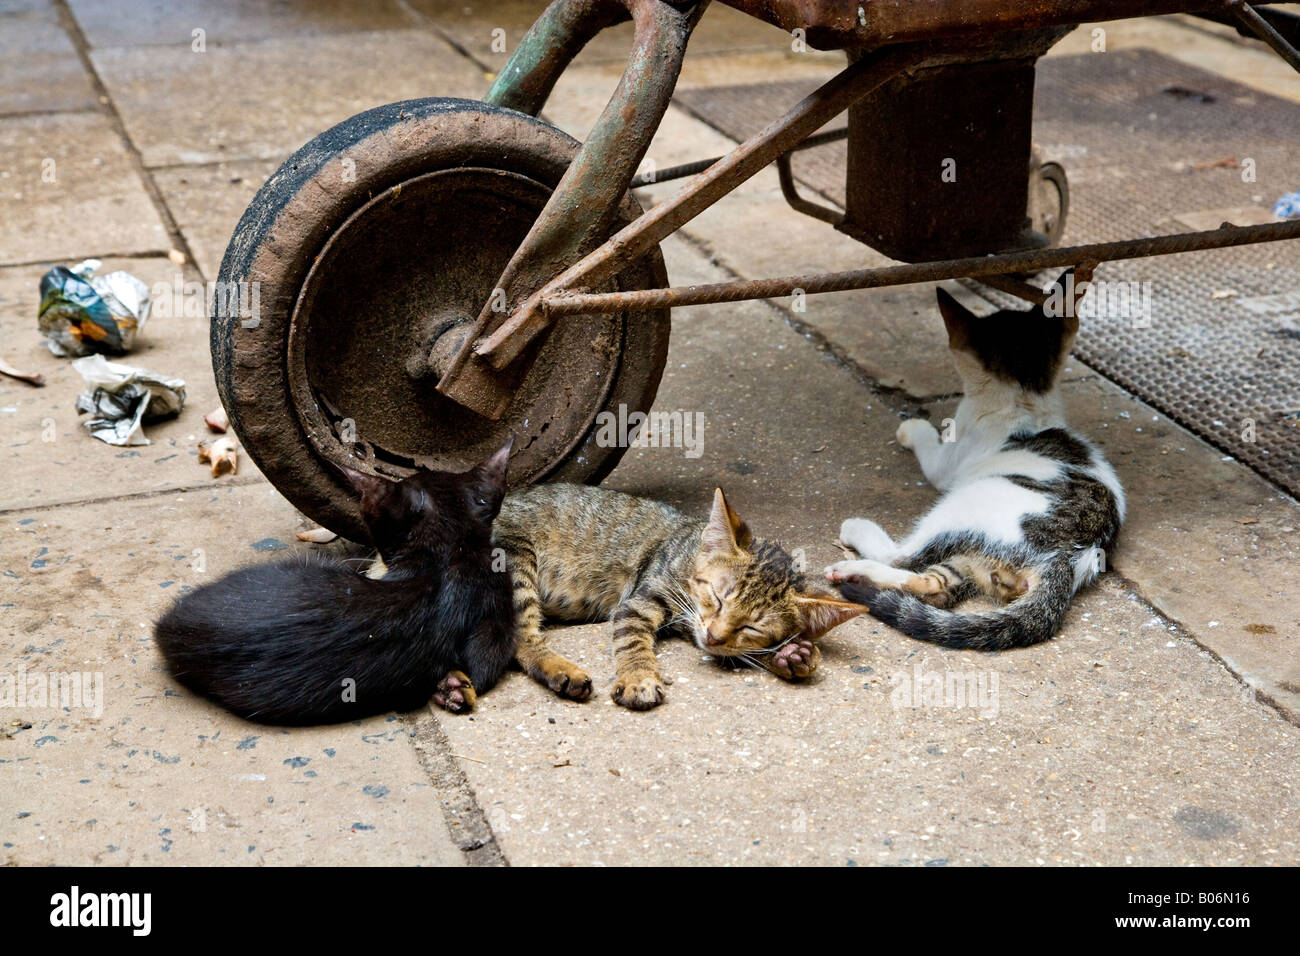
<point x="311" y="641"/>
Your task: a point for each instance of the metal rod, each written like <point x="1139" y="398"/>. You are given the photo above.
<point x="1265" y="31"/>
<point x="1223" y="237"/>
<point x="806" y="206"/>
<point x="1013" y="285"/>
<point x="811" y="113"/>
<point x="700" y="165"/>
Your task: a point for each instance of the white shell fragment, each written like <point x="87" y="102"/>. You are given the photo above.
<point x="221" y="453"/>
<point x="217" y="419"/>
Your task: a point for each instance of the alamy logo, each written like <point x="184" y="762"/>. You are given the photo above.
<point x="1102" y="300"/>
<point x="83" y="691"/>
<point x="655" y="430"/>
<point x="977" y="690"/>
<point x="221" y="299"/>
<point x="103" y="909"/>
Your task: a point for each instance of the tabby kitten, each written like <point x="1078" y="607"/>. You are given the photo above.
<point x="580" y="553"/>
<point x="1029" y="506"/>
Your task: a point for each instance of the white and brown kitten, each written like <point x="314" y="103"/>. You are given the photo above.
<point x="1029" y="506"/>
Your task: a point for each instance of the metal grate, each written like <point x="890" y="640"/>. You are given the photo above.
<point x="1152" y="146"/>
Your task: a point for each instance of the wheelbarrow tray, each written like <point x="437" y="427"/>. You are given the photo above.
<point x="866" y="24"/>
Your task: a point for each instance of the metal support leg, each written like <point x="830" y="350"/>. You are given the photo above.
<point x="548" y="48"/>
<point x="580" y="212"/>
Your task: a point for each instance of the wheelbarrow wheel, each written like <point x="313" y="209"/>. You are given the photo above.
<point x="1050" y="200"/>
<point x="359" y="268"/>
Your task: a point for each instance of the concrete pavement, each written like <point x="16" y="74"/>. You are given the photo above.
<point x="1159" y="728"/>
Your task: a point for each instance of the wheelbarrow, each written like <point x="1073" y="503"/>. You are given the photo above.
<point x="428" y="276"/>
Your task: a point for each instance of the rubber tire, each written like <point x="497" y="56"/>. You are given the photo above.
<point x="293" y="215"/>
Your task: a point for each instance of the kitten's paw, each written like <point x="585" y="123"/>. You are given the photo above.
<point x="638" y="691"/>
<point x="455" y="693"/>
<point x="845" y="572"/>
<point x="566" y="679"/>
<point x="796" y="659"/>
<point x="867" y="538"/>
<point x="914" y="431"/>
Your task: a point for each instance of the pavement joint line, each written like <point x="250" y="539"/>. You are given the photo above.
<point x="1135" y="590"/>
<point x="108" y="109"/>
<point x="27" y="114"/>
<point x="27" y="264"/>
<point x="133" y="495"/>
<point x="431" y="26"/>
<point x="466" y="822"/>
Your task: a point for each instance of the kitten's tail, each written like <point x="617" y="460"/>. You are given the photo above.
<point x="1033" y="618"/>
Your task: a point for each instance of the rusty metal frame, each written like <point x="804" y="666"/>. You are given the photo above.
<point x="580" y="211"/>
<point x="785" y="174"/>
<point x="1086" y="256"/>
<point x="548" y="48"/>
<point x="1265" y="30"/>
<point x="528" y="321"/>
<point x="565" y="239"/>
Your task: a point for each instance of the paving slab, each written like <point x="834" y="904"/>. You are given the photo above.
<point x="68" y="189"/>
<point x="490" y="31"/>
<point x="135" y="770"/>
<point x="207" y="202"/>
<point x="49" y="457"/>
<point x="39" y="67"/>
<point x="1121" y="741"/>
<point x="264" y="99"/>
<point x="107" y="23"/>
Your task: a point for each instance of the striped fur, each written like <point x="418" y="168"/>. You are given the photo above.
<point x="580" y="553"/>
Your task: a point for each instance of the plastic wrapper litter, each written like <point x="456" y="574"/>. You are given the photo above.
<point x="82" y="313"/>
<point x="1288" y="207"/>
<point x="122" y="398"/>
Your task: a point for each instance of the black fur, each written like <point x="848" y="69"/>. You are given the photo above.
<point x="1026" y="348"/>
<point x="1055" y="443"/>
<point x="276" y="643"/>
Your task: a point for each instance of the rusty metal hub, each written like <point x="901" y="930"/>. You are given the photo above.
<point x="404" y="277"/>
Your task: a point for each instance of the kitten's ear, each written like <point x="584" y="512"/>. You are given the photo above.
<point x="492" y="470"/>
<point x="378" y="495"/>
<point x="821" y="613"/>
<point x="725" y="531"/>
<point x="1063" y="298"/>
<point x="956" y="319"/>
<point x="370" y="487"/>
